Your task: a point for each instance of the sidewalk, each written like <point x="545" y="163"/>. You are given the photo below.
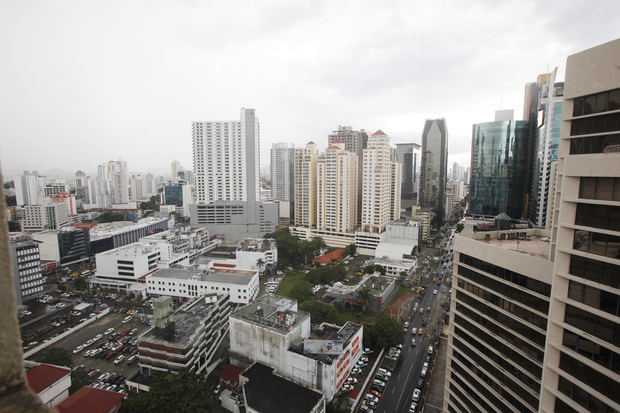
<point x="434" y="397"/>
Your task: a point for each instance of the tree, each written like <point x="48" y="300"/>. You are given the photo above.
<point x="79" y="379"/>
<point x="327" y="274"/>
<point x="184" y="392"/>
<point x="301" y="291"/>
<point x="374" y="267"/>
<point x="54" y="355"/>
<point x="459" y="227"/>
<point x="319" y="311"/>
<point x="365" y="295"/>
<point x="111" y="217"/>
<point x="350" y="249"/>
<point x="385" y="332"/>
<point x="80" y="283"/>
<point x="153" y="203"/>
<point x="259" y="263"/>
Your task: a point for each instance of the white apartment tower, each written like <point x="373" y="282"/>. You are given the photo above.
<point x="282" y="171"/>
<point x="381" y="184"/>
<point x="102" y="187"/>
<point x="227" y="159"/>
<point x="175" y="168"/>
<point x="305" y="186"/>
<point x="119" y="181"/>
<point x="336" y="195"/>
<point x="28" y="188"/>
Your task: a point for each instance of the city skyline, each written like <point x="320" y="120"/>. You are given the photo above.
<point x="152" y="123"/>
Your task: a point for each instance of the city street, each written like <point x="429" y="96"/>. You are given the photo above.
<point x="398" y="392"/>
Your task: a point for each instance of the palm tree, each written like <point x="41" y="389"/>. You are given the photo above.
<point x="260" y="263"/>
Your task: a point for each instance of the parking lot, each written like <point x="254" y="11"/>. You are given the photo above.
<point x="112" y="320"/>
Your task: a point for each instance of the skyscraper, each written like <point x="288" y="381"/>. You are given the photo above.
<point x="543" y="108"/>
<point x="227" y="159"/>
<point x="498" y="167"/>
<point x="305" y="186"/>
<point x="381" y="182"/>
<point x="102" y="187"/>
<point x="337" y="189"/>
<point x="409" y="156"/>
<point x="282" y="171"/>
<point x="119" y="181"/>
<point x="354" y="141"/>
<point x="175" y="168"/>
<point x="434" y="164"/>
<point x="28" y="188"/>
<point x="84" y="189"/>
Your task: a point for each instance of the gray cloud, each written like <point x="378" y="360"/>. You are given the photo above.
<point x="86" y="81"/>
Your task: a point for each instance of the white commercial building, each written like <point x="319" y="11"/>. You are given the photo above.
<point x="28" y="188"/>
<point x="119" y="181"/>
<point x="336" y="189"/>
<point x="46" y="215"/>
<point x="304" y="205"/>
<point x="381" y="184"/>
<point x="27" y="278"/>
<point x="251" y="250"/>
<point x="241" y="285"/>
<point x="273" y="332"/>
<point x="110" y="235"/>
<point x="395" y="267"/>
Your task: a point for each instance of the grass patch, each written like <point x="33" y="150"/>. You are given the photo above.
<point x="289" y="281"/>
<point x="434" y="264"/>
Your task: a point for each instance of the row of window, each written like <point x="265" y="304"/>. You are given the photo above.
<point x="511" y="276"/>
<point x="601" y="300"/>
<point x="596" y="243"/>
<point x="599" y="327"/>
<point x="599" y="102"/>
<point x="497" y="373"/>
<point x="601" y="188"/>
<point x="593" y="378"/>
<point x="502" y="332"/>
<point x="595" y="124"/>
<point x="518" y="295"/>
<point x="595" y="352"/>
<point x="509" y="306"/>
<point x="580" y="396"/>
<point x="598" y="216"/>
<point x="483" y="390"/>
<point x="592" y="144"/>
<point x="471" y="393"/>
<point x="594" y="270"/>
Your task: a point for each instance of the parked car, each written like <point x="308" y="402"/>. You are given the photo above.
<point x="430" y="349"/>
<point x="413" y="342"/>
<point x="119" y="359"/>
<point x="346" y="387"/>
<point x="413" y="407"/>
<point x="423" y="373"/>
<point x="384" y="371"/>
<point x="351" y="380"/>
<point x="371" y="397"/>
<point x="78" y="349"/>
<point x="416" y="395"/>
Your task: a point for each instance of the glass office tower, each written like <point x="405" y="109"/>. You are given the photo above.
<point x="498" y="168"/>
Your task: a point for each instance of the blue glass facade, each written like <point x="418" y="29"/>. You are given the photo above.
<point x="173" y="195"/>
<point x="498" y="168"/>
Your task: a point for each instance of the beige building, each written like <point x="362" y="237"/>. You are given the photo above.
<point x="535" y="325"/>
<point x="336" y="208"/>
<point x="305" y="186"/>
<point x="381" y="179"/>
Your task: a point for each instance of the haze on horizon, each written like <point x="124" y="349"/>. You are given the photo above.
<point x="85" y="82"/>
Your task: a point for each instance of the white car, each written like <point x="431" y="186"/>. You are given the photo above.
<point x="430" y="349"/>
<point x="416" y="395"/>
<point x="78" y="349"/>
<point x="423" y="373"/>
<point x="127" y="319"/>
<point x="435" y="292"/>
<point x="109" y="331"/>
<point x="97" y="337"/>
<point x="372" y="398"/>
<point x="119" y="359"/>
<point x="384" y="372"/>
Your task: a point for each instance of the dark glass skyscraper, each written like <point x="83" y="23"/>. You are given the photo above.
<point x="498" y="167"/>
<point x="432" y="193"/>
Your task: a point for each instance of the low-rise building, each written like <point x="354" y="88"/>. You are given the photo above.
<point x="382" y="290"/>
<point x="110" y="235"/>
<point x="395" y="267"/>
<point x="241" y="285"/>
<point x="186" y="339"/>
<point x="366" y="242"/>
<point x="185" y="240"/>
<point x="91" y="400"/>
<point x="273" y="332"/>
<point x="46" y="215"/>
<point x="50" y="383"/>
<point x="252" y="251"/>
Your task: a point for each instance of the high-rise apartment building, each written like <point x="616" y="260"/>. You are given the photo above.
<point x="175" y="168"/>
<point x="227" y="159"/>
<point x="535" y="325"/>
<point x="582" y="353"/>
<point x="119" y="182"/>
<point x="409" y="156"/>
<point x="282" y="172"/>
<point x="54" y="188"/>
<point x="354" y="141"/>
<point x="498" y="167"/>
<point x="305" y="186"/>
<point x="543" y="108"/>
<point x="28" y="188"/>
<point x="103" y="198"/>
<point x="84" y="189"/>
<point x="381" y="184"/>
<point x="434" y="164"/>
<point x="336" y="182"/>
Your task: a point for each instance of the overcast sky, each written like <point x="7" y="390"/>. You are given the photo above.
<point x="83" y="82"/>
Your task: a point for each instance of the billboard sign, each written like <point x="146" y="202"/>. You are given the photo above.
<point x="312" y="346"/>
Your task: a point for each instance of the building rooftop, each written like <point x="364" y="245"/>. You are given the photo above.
<point x="267" y="392"/>
<point x="134" y="250"/>
<point x="222" y="275"/>
<point x="273" y="312"/>
<point x="331" y="257"/>
<point x="187" y="319"/>
<point x="221" y="251"/>
<point x="532" y="241"/>
<point x="110" y="229"/>
<point x="256" y="244"/>
<point x="393" y="262"/>
<point x="45" y="375"/>
<point x="91" y="400"/>
<point x="534" y="245"/>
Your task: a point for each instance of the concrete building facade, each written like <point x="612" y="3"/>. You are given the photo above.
<point x="305" y="186"/>
<point x="27" y="277"/>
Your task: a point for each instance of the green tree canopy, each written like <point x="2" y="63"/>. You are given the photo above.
<point x="79" y="379"/>
<point x="374" y="267"/>
<point x="174" y="393"/>
<point x="327" y="274"/>
<point x="385" y="332"/>
<point x="459" y="227"/>
<point x="80" y="283"/>
<point x="292" y="252"/>
<point x="301" y="291"/>
<point x="350" y="249"/>
<point x="320" y="312"/>
<point x="54" y="355"/>
<point x="111" y="217"/>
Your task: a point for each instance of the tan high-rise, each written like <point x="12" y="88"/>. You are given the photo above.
<point x="305" y="186"/>
<point x="337" y="189"/>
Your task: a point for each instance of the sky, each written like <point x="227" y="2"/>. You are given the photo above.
<point x="84" y="82"/>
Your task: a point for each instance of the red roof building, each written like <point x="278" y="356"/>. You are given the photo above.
<point x="379" y="132"/>
<point x="50" y="383"/>
<point x="91" y="400"/>
<point x="230" y="374"/>
<point x="332" y="257"/>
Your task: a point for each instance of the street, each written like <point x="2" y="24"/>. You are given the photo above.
<point x="399" y="389"/>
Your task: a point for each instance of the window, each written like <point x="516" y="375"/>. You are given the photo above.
<point x="599" y="216"/>
<point x="606" y="189"/>
<point x="597" y="326"/>
<point x="597" y="353"/>
<point x="586" y="374"/>
<point x="600" y="102"/>
<point x="597" y="243"/>
<point x="594" y="270"/>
